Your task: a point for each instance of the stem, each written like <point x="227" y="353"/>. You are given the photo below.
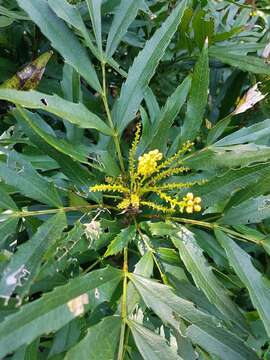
<point x="93" y="265"/>
<point x="153" y="252"/>
<point x="208" y="225"/>
<point x="121" y="349"/>
<point x="63" y="209"/>
<point x="248" y="6"/>
<point x="115" y="134"/>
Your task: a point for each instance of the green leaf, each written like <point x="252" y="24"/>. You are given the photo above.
<point x="162" y="300"/>
<point x="78" y="174"/>
<point x="228" y="156"/>
<point x="71" y="14"/>
<point x="94" y="7"/>
<point x="217" y="130"/>
<point x="27" y="180"/>
<point x="143" y="267"/>
<point x="5" y="21"/>
<point x="77" y="153"/>
<point x="143" y="68"/>
<point x="62" y="39"/>
<point x="68" y="12"/>
<point x="65" y="338"/>
<point x="125" y="13"/>
<point x="258" y="286"/>
<point x="243" y="62"/>
<point x="121" y="240"/>
<point x="251" y="211"/>
<point x="198" y="98"/>
<point x="13" y="14"/>
<point x="71" y="89"/>
<point x="202" y="28"/>
<point x="151" y="345"/>
<point x="167" y="115"/>
<point x="51" y="311"/>
<point x="247" y="134"/>
<point x="223" y="187"/>
<point x="100" y="341"/>
<point x="25" y="263"/>
<point x="75" y="113"/>
<point x="7" y="227"/>
<point x="203" y="276"/>
<point x="224" y="347"/>
<point x="6" y="202"/>
<point x="211" y="247"/>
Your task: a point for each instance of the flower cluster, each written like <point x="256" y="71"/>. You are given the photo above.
<point x="147" y="176"/>
<point x="147" y="163"/>
<point x="192" y="203"/>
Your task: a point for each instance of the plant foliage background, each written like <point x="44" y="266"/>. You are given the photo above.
<point x="83" y="279"/>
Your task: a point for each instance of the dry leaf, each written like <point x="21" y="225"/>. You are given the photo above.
<point x="251" y="97"/>
<point x="76" y="305"/>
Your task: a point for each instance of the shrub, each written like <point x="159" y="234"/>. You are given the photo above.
<point x="134" y="180"/>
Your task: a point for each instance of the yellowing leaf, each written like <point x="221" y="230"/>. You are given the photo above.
<point x="29" y="77"/>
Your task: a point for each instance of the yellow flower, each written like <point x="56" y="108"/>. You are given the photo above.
<point x="147" y="164"/>
<point x="150" y="177"/>
<point x="135" y="200"/>
<point x="189" y="196"/>
<point x="192" y="204"/>
<point x="197" y="200"/>
<point x="189" y="209"/>
<point x="124" y="204"/>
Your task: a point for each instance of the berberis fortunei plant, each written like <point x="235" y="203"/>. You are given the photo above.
<point x="134" y="180"/>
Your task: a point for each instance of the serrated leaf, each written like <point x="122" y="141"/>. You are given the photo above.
<point x="162" y="300"/>
<point x="77" y="114"/>
<point x="247" y="134"/>
<point x="71" y="14"/>
<point x="217" y="130"/>
<point x="151" y="345"/>
<point x="251" y="211"/>
<point x="211" y="247"/>
<point x="258" y="286"/>
<point x="50" y="312"/>
<point x="143" y="68"/>
<point x="121" y="240"/>
<point x="6" y="202"/>
<point x="94" y="7"/>
<point x="223" y="186"/>
<point x="25" y="263"/>
<point x="124" y="15"/>
<point x="151" y="103"/>
<point x="228" y="156"/>
<point x="198" y="98"/>
<point x="74" y="171"/>
<point x="159" y="130"/>
<point x="76" y="152"/>
<point x="203" y="276"/>
<point x="62" y="39"/>
<point x="143" y="267"/>
<point x="91" y="346"/>
<point x="228" y="347"/>
<point x="65" y="338"/>
<point x="29" y="182"/>
<point x="244" y="62"/>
